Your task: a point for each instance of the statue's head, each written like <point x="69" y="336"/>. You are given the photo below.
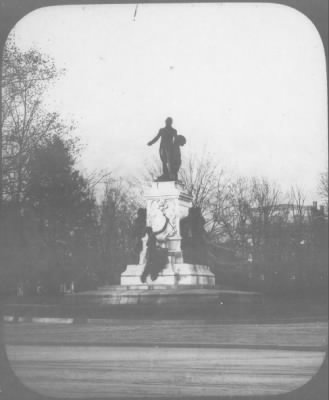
<point x="169" y="121"/>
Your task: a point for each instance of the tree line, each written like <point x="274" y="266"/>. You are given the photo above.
<point x="259" y="236"/>
<point x="56" y="235"/>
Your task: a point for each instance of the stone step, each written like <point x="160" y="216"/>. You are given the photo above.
<point x="164" y="295"/>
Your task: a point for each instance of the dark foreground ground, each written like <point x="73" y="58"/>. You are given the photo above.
<point x="134" y="371"/>
<point x="79" y="349"/>
<point x="269" y="347"/>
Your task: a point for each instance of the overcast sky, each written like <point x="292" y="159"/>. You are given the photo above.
<point x="246" y="82"/>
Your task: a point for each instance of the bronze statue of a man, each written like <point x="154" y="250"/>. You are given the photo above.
<point x="169" y="150"/>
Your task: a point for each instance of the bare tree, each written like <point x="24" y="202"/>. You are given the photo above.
<point x="26" y="125"/>
<point x="26" y="77"/>
<point x="297" y="203"/>
<point x="323" y="188"/>
<point x="97" y="177"/>
<point x="230" y="211"/>
<point x="201" y="175"/>
<point x="117" y="213"/>
<point x="265" y="198"/>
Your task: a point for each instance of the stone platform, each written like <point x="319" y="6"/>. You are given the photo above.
<point x="173" y="275"/>
<point x="167" y="205"/>
<point x="165" y="295"/>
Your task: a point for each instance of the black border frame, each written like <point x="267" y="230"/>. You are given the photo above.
<point x="11" y="11"/>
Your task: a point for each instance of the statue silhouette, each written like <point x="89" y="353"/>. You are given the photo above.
<point x="193" y="237"/>
<point x="176" y="160"/>
<point x="169" y="150"/>
<point x="156" y="256"/>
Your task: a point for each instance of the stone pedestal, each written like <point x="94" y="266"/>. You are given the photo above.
<point x="168" y="200"/>
<point x="167" y="204"/>
<point x="174" y="275"/>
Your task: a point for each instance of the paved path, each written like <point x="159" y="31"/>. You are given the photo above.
<point x="170" y="332"/>
<point x="148" y="358"/>
<point x="89" y="371"/>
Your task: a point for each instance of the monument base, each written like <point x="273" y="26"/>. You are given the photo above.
<point x="173" y="275"/>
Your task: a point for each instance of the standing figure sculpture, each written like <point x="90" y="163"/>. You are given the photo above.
<point x="194" y="237"/>
<point x="169" y="150"/>
<point x="156" y="257"/>
<point x="176" y="160"/>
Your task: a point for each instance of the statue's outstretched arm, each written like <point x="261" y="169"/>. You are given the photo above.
<point x="155" y="139"/>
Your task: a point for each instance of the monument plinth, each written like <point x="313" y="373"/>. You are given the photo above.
<point x="167" y="201"/>
<point x="167" y="205"/>
<point x="170" y="252"/>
